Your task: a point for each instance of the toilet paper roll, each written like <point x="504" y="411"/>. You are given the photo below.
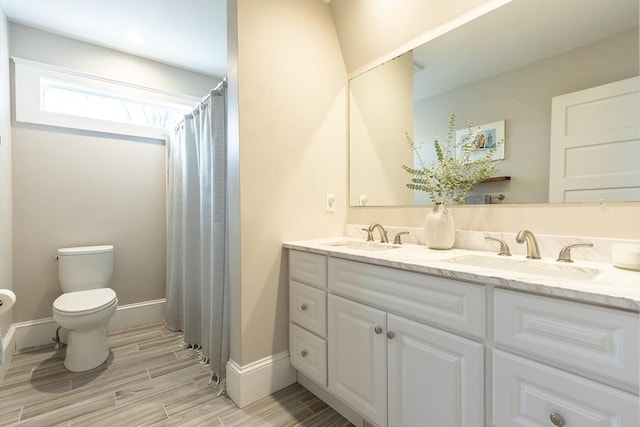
<point x="7" y="299"/>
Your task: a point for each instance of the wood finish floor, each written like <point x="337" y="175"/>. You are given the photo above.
<point x="148" y="380"/>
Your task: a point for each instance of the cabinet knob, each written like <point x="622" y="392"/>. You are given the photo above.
<point x="303" y="353"/>
<point x="377" y="330"/>
<point x="556" y="419"/>
<point x="303" y="307"/>
<point x="391" y="335"/>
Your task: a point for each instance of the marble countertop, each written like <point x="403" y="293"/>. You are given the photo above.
<point x="612" y="287"/>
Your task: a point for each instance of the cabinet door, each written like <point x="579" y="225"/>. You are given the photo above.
<point x="527" y="393"/>
<point x="435" y="378"/>
<point x="357" y="359"/>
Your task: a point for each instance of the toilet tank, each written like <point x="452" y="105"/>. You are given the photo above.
<point x="84" y="268"/>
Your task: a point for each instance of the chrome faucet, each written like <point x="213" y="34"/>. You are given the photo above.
<point x="533" y="251"/>
<point x="383" y="233"/>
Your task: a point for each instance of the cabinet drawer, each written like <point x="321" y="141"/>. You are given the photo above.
<point x="526" y="393"/>
<point x="308" y="268"/>
<point x="308" y="307"/>
<point x="453" y="305"/>
<point x="308" y="354"/>
<point x="595" y="341"/>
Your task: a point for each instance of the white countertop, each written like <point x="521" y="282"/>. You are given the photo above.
<point x="613" y="287"/>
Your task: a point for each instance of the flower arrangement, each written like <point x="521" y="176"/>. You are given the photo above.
<point x="453" y="173"/>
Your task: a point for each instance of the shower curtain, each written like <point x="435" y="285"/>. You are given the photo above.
<point x="197" y="264"/>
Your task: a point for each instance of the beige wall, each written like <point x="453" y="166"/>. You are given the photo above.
<point x="6" y="279"/>
<point x="524" y="101"/>
<point x="79" y="189"/>
<point x="292" y="121"/>
<point x="73" y="188"/>
<point x="370" y="33"/>
<point x="380" y="114"/>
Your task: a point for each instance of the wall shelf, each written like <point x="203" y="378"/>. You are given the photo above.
<point x="496" y="179"/>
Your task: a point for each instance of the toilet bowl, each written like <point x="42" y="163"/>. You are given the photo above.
<point x="87" y="304"/>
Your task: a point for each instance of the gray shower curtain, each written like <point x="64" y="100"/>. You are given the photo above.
<point x="197" y="264"/>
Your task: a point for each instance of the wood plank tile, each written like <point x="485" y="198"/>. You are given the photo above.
<point x="28" y="360"/>
<point x="201" y="407"/>
<point x="326" y="418"/>
<point x="314" y="403"/>
<point x="142" y="360"/>
<point x="148" y="380"/>
<point x="9" y="417"/>
<point x="69" y="412"/>
<point x="139" y="328"/>
<point x="136" y="414"/>
<point x="264" y="407"/>
<point x="285" y="416"/>
<point x="164" y="388"/>
<point x="109" y="385"/>
<point x="16" y="397"/>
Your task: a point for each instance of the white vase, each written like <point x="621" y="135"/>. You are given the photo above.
<point x="439" y="227"/>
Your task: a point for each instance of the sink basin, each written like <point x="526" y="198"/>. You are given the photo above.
<point x="363" y="246"/>
<point x="535" y="267"/>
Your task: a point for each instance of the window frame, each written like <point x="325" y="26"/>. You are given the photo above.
<point x="29" y="77"/>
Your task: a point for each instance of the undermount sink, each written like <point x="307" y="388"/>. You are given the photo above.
<point x="535" y="267"/>
<point x="363" y="246"/>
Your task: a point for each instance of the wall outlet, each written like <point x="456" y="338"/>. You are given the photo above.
<point x="330" y="202"/>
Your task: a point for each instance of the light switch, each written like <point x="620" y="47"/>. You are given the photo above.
<point x="330" y="205"/>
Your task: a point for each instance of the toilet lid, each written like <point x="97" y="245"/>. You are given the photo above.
<point x="84" y="301"/>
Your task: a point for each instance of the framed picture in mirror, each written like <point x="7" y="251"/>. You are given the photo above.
<point x="487" y="136"/>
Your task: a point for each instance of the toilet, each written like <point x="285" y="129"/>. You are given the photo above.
<point x="86" y="305"/>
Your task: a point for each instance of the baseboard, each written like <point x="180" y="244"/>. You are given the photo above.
<point x="8" y="348"/>
<point x="138" y="314"/>
<point x="249" y="383"/>
<point x="40" y="332"/>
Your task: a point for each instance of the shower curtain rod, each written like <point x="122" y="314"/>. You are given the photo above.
<point x="221" y="85"/>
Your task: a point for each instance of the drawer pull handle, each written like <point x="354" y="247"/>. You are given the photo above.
<point x="556" y="419"/>
<point x="377" y="330"/>
<point x="303" y="307"/>
<point x="391" y="335"/>
<point x="303" y="353"/>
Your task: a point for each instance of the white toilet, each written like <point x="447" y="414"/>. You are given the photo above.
<point x="86" y="305"/>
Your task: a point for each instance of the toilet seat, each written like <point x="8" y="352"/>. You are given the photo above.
<point x="85" y="302"/>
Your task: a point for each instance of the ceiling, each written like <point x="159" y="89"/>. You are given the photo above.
<point x="190" y="34"/>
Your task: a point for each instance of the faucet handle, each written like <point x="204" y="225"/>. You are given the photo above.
<point x="504" y="248"/>
<point x="565" y="253"/>
<point x="369" y="234"/>
<point x="398" y="239"/>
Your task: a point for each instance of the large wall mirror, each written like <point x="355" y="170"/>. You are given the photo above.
<point x="505" y="65"/>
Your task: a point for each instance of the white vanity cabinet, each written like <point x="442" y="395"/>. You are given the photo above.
<point x="403" y="348"/>
<point x="573" y="341"/>
<point x="308" y="314"/>
<point x="396" y="371"/>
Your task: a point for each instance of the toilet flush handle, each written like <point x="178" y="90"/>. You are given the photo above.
<point x="55" y="257"/>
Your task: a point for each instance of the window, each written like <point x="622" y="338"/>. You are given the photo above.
<point x="61" y="98"/>
<point x="57" y="97"/>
